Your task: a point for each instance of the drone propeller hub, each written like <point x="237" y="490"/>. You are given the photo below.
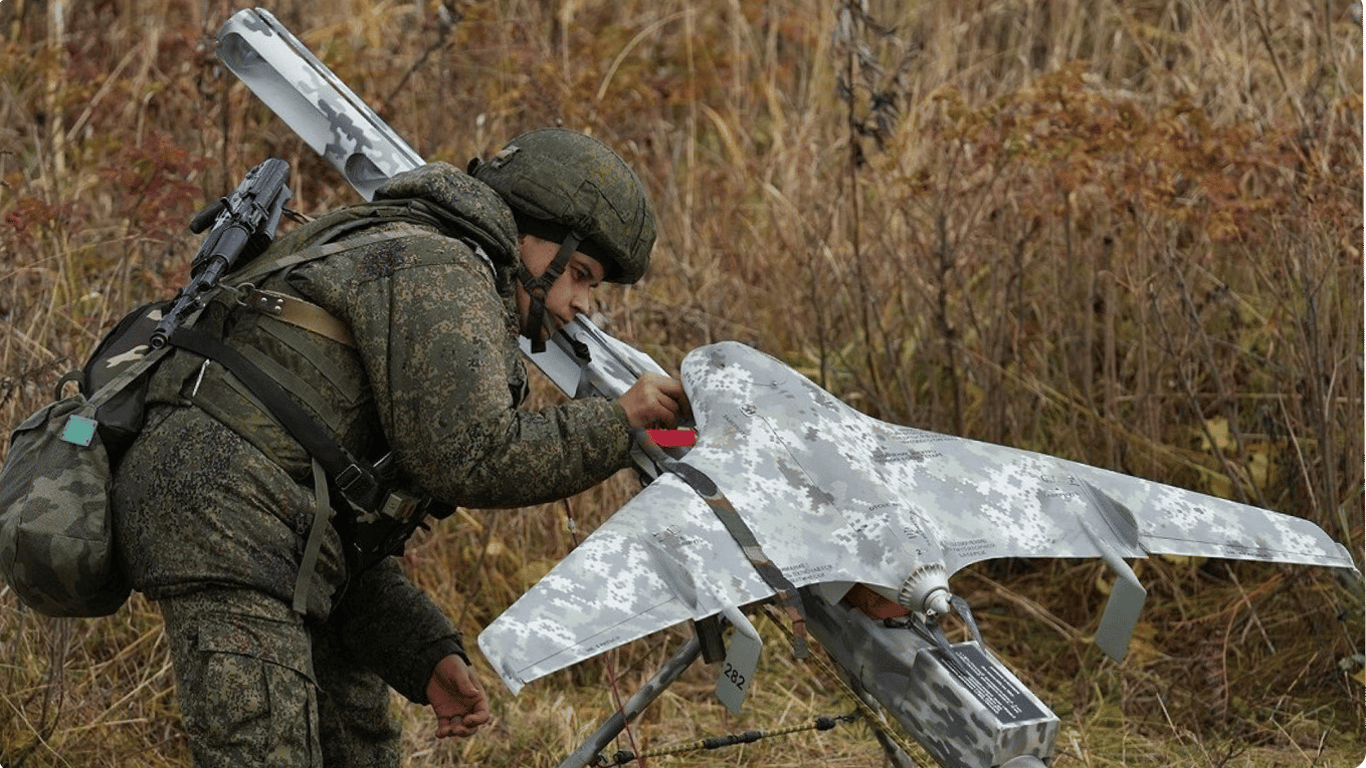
<point x="926" y="590"/>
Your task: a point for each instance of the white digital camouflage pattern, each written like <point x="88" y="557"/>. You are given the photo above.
<point x="969" y="713"/>
<point x="326" y="114"/>
<point x="835" y="496"/>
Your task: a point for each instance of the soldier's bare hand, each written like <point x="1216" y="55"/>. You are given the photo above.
<point x="460" y="704"/>
<point x="655" y="402"/>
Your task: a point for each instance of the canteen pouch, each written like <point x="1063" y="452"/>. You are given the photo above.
<point x="56" y="528"/>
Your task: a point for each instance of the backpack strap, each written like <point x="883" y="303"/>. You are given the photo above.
<point x="305" y="314"/>
<point x="359" y="482"/>
<point x="326" y="243"/>
<point x="302" y="313"/>
<point x="356" y="480"/>
<point x="296" y="311"/>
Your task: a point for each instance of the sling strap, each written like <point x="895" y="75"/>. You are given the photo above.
<point x="744" y="536"/>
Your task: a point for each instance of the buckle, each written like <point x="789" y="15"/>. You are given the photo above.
<point x="357" y="485"/>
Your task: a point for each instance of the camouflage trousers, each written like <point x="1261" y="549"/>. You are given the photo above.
<point x="260" y="686"/>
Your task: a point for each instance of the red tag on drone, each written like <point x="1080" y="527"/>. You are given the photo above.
<point x="673" y="438"/>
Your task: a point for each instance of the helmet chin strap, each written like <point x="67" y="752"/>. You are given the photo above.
<point x="537" y="287"/>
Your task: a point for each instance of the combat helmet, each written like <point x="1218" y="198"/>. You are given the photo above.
<point x="568" y="187"/>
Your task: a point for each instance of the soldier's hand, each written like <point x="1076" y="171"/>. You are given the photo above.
<point x="655" y="402"/>
<point x="460" y="704"/>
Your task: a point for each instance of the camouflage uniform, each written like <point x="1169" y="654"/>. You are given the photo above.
<point x="214" y="500"/>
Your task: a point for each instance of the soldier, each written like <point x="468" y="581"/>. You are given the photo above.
<point x="394" y="324"/>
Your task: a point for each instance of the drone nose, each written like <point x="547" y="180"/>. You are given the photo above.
<point x="926" y="590"/>
<point x="937" y="602"/>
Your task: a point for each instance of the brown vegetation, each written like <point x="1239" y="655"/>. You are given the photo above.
<point x="1128" y="234"/>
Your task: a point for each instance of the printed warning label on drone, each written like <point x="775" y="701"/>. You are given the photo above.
<point x="999" y="692"/>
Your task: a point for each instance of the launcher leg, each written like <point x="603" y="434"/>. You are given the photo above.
<point x="587" y="752"/>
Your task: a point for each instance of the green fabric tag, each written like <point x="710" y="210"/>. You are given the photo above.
<point x="79" y="430"/>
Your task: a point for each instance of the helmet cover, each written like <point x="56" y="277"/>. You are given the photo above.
<point x="560" y="181"/>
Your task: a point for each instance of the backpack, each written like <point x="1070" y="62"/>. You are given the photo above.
<point x="56" y="530"/>
<point x="56" y="525"/>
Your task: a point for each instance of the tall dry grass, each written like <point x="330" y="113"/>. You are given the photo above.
<point x="1123" y="233"/>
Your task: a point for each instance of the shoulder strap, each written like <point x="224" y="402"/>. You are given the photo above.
<point x="324" y="243"/>
<point x="295" y="311"/>
<point x="318" y="250"/>
<point x="305" y="314"/>
<point x="356" y="480"/>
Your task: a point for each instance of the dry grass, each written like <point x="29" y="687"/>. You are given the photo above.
<point x="1124" y="233"/>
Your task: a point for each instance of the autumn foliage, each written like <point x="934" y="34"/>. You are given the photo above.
<point x="1128" y="234"/>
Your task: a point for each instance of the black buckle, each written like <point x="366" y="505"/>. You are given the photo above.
<point x="358" y="485"/>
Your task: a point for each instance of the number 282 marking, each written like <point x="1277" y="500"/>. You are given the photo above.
<point x="732" y="674"/>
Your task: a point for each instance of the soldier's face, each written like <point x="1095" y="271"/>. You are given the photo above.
<point x="572" y="292"/>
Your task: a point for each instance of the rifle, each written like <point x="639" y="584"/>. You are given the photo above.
<point x="244" y="225"/>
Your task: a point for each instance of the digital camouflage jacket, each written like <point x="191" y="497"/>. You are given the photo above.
<point x="214" y="492"/>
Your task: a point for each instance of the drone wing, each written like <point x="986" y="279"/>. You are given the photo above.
<point x="665" y="558"/>
<point x="832" y="495"/>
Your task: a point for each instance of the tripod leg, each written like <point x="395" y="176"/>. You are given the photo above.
<point x="588" y="752"/>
